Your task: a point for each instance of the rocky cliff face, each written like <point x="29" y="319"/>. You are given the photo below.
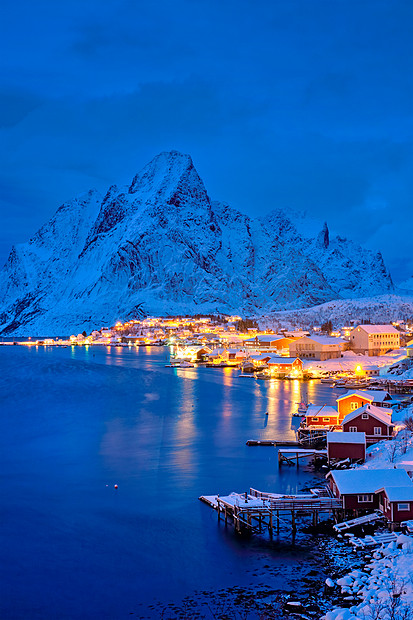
<point x="161" y="246"/>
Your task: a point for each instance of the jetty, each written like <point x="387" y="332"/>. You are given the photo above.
<point x="271" y="442"/>
<point x="256" y="511"/>
<point x="293" y="455"/>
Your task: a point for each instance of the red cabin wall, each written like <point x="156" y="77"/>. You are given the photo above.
<point x="354" y="451"/>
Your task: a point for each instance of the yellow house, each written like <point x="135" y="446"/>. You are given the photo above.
<point x="374" y="339"/>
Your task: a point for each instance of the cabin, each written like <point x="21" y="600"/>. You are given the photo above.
<point x="356" y="398"/>
<point x="269" y="342"/>
<point x="345" y="445"/>
<point x="321" y="416"/>
<point x="375" y="422"/>
<point x="317" y="348"/>
<point x="374" y="339"/>
<point x="285" y="366"/>
<point x="396" y="503"/>
<point x="359" y="489"/>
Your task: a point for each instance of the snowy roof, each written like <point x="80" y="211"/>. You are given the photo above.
<point x="337" y="437"/>
<point x="265" y="338"/>
<point x="353" y="481"/>
<point x="378" y="329"/>
<point x="282" y="360"/>
<point x="325" y="339"/>
<point x="400" y="494"/>
<point x="314" y="410"/>
<point x="379" y="413"/>
<point x="377" y="396"/>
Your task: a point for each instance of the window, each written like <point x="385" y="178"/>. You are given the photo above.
<point x="315" y="419"/>
<point x="377" y="430"/>
<point x="404" y="506"/>
<point x="365" y="498"/>
<point x="326" y="419"/>
<point x="364" y="416"/>
<point x="354" y="405"/>
<point x="353" y="429"/>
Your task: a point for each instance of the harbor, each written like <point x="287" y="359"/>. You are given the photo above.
<point x="79" y="421"/>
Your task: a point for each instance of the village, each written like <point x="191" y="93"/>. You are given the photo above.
<point x="363" y="445"/>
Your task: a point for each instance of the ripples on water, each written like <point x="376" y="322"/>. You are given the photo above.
<point x="75" y="422"/>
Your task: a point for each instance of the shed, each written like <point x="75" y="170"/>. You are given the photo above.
<point x="346" y="446"/>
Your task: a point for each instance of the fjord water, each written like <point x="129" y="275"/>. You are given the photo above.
<point x="77" y="421"/>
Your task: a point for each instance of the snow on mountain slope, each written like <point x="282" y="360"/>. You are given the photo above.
<point x="381" y="309"/>
<point x="161" y="246"/>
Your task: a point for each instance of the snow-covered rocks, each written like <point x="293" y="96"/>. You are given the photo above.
<point x="386" y="591"/>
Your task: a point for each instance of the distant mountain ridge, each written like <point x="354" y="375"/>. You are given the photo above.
<point x="161" y="246"/>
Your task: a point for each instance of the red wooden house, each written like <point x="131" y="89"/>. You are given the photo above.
<point x="346" y="446"/>
<point x="359" y="489"/>
<point x="321" y="416"/>
<point x="374" y="421"/>
<point x="356" y="398"/>
<point x="396" y="503"/>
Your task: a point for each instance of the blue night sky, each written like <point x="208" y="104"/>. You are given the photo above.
<point x="283" y="103"/>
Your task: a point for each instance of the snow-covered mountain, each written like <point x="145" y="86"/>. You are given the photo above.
<point x="162" y="246"/>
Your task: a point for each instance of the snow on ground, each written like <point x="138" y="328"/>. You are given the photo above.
<point x="384" y="588"/>
<point x="350" y="360"/>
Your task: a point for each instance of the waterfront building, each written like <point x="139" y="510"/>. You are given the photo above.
<point x="374" y="339"/>
<point x="317" y="348"/>
<point x="346" y="445"/>
<point x="375" y="422"/>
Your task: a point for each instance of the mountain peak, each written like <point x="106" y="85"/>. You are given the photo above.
<point x="171" y="164"/>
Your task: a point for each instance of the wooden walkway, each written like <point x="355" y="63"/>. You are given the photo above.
<point x="257" y="511"/>
<point x="348" y="525"/>
<point x="271" y="442"/>
<point x="373" y="541"/>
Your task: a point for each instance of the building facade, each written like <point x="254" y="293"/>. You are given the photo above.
<point x="374" y="339"/>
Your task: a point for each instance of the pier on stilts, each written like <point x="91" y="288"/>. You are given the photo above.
<point x="258" y="512"/>
<point x="291" y="456"/>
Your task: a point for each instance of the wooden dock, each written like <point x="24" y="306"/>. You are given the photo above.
<point x="271" y="442"/>
<point x="292" y="455"/>
<point x="256" y="511"/>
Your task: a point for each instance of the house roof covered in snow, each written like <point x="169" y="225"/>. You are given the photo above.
<point x="355" y="481"/>
<point x="265" y="338"/>
<point x="326" y="340"/>
<point x="376" y="396"/>
<point x="400" y="494"/>
<point x="379" y="413"/>
<point x="337" y="437"/>
<point x="282" y="360"/>
<point x="318" y="410"/>
<point x="378" y="329"/>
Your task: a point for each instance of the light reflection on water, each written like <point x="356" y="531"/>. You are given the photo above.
<point x="75" y="422"/>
